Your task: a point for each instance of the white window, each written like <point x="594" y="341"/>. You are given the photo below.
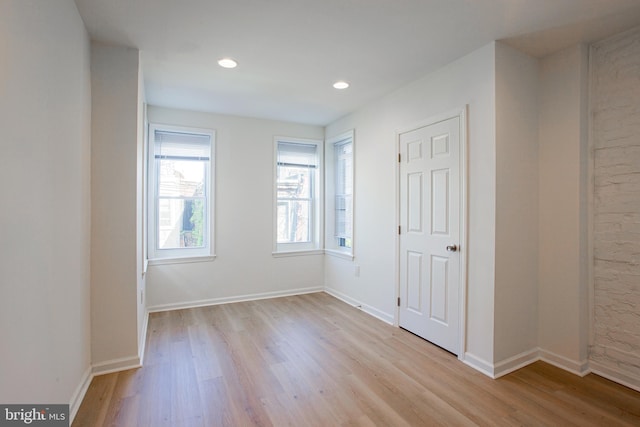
<point x="298" y="186"/>
<point x="180" y="193"/>
<point x="339" y="197"/>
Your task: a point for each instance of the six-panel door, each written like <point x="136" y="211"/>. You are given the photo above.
<point x="430" y="232"/>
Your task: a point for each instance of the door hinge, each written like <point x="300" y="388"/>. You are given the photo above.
<point x="399" y="229"/>
<point x="399" y="156"/>
<point x="398" y="301"/>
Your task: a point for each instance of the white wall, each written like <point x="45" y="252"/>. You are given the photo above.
<point x="45" y="113"/>
<point x="140" y="221"/>
<point x="469" y="80"/>
<point x="562" y="289"/>
<point x="516" y="287"/>
<point x="115" y="261"/>
<point x="244" y="266"/>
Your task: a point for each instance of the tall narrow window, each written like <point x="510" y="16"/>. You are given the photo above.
<point x="297" y="195"/>
<point x="343" y="161"/>
<point x="339" y="195"/>
<point x="180" y="171"/>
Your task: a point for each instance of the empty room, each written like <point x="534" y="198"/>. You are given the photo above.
<point x="320" y="213"/>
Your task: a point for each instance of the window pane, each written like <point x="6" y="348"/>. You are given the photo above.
<point x="344" y="168"/>
<point x="294" y="221"/>
<point x="344" y="193"/>
<point x="344" y="242"/>
<point x="343" y="225"/>
<point x="181" y="178"/>
<point x="295" y="182"/>
<point x="181" y="223"/>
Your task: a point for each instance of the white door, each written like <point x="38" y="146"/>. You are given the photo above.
<point x="430" y="213"/>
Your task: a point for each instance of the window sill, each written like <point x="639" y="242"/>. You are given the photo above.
<point x="297" y="253"/>
<point x="185" y="260"/>
<point x="339" y="254"/>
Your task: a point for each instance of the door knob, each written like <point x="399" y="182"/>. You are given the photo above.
<point x="452" y="248"/>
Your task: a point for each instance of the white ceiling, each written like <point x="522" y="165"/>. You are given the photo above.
<point x="291" y="51"/>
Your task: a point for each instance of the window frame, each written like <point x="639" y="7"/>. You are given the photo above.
<point x="315" y="246"/>
<point x="332" y="246"/>
<point x="179" y="255"/>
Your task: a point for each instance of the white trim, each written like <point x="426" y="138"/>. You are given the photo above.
<point x="297" y="253"/>
<point x="329" y="180"/>
<point x="511" y="364"/>
<point x="590" y="208"/>
<point x="342" y="136"/>
<point x="372" y="311"/>
<point x="516" y="362"/>
<point x="339" y="254"/>
<point x="615" y="375"/>
<point x="232" y="299"/>
<point x="396" y="314"/>
<point x="116" y="365"/>
<point x="154" y="253"/>
<point x="317" y="242"/>
<point x="79" y="393"/>
<point x="142" y="342"/>
<point x="464" y="224"/>
<point x="462" y="114"/>
<point x="182" y="260"/>
<point x="478" y="364"/>
<point x="455" y="112"/>
<point x="580" y="368"/>
<point x="107" y="367"/>
<point x="144" y="190"/>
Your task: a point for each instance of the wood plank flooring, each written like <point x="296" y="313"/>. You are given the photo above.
<point x="312" y="360"/>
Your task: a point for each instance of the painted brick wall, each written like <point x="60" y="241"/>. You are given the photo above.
<point x="615" y="111"/>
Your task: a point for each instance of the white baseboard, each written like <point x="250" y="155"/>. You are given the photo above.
<point x="516" y="362"/>
<point x="615" y="375"/>
<point x="478" y="364"/>
<point x="78" y="394"/>
<point x="504" y="367"/>
<point x="143" y="337"/>
<point x="116" y="365"/>
<point x="227" y="300"/>
<point x="106" y="368"/>
<point x="381" y="315"/>
<point x="580" y="368"/>
<point x="94" y="370"/>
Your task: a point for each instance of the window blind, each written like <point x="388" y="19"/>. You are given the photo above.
<point x="181" y="146"/>
<point x="302" y="155"/>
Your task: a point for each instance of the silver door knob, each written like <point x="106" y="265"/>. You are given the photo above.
<point x="452" y="248"/>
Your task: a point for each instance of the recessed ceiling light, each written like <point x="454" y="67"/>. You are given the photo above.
<point x="341" y="85"/>
<point x="227" y="63"/>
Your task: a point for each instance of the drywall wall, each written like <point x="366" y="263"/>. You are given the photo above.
<point x="243" y="219"/>
<point x="615" y="111"/>
<point x="140" y="221"/>
<point x="45" y="117"/>
<point x="562" y="290"/>
<point x="115" y="203"/>
<point x="467" y="81"/>
<point x="516" y="286"/>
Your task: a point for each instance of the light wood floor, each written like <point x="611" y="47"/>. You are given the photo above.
<point x="312" y="360"/>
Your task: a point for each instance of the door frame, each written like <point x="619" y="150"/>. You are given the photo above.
<point x="464" y="218"/>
